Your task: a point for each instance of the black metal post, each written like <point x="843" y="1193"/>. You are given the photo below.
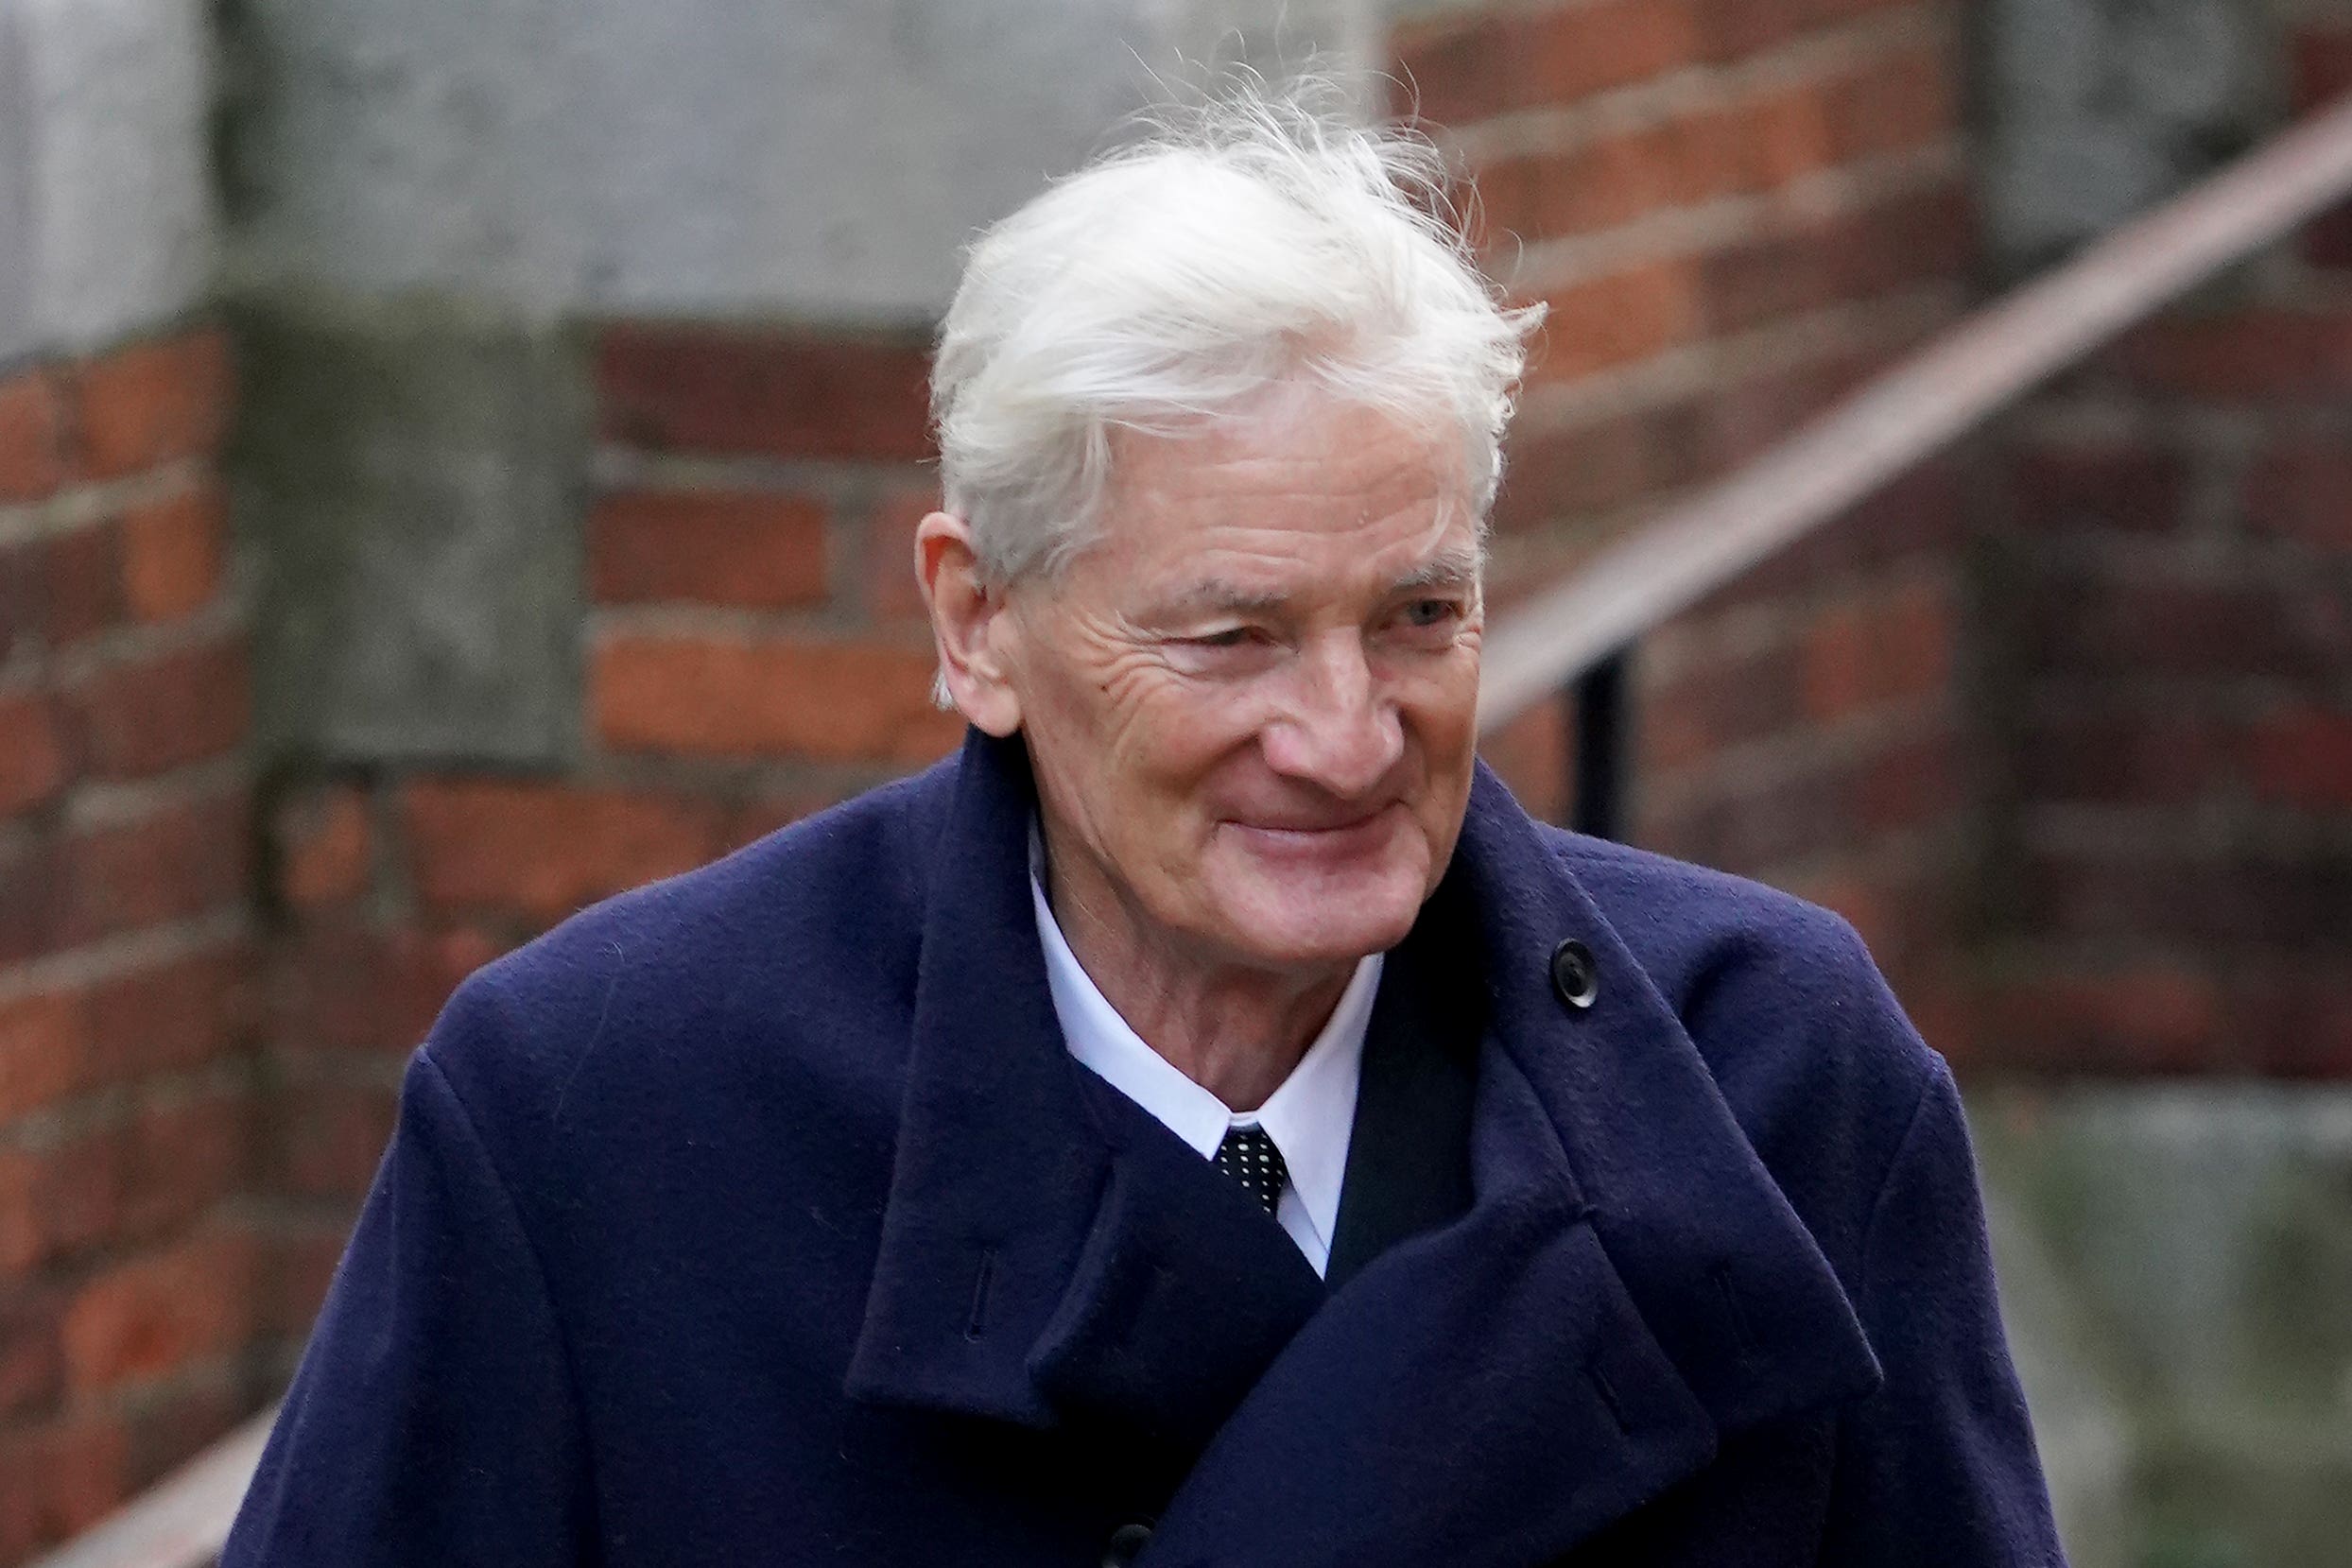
<point x="1603" y="747"/>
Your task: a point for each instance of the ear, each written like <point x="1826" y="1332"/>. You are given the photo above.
<point x="968" y="623"/>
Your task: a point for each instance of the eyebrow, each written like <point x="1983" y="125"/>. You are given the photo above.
<point x="1452" y="568"/>
<point x="1456" y="566"/>
<point x="1216" y="595"/>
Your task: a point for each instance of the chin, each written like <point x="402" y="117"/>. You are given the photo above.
<point x="1289" y="923"/>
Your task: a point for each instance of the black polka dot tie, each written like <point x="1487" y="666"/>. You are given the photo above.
<point x="1251" y="1158"/>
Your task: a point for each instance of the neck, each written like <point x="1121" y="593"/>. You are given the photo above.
<point x="1235" y="1031"/>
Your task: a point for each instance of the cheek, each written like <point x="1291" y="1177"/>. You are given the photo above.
<point x="1441" y="713"/>
<point x="1175" y="728"/>
<point x="1137" y="748"/>
<point x="1439" y="702"/>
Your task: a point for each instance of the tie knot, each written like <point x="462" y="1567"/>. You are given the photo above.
<point x="1250" y="1157"/>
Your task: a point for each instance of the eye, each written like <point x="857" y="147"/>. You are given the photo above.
<point x="1431" y="612"/>
<point x="1224" y="653"/>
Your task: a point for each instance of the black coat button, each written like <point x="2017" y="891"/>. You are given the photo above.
<point x="1126" y="1544"/>
<point x="1574" y="975"/>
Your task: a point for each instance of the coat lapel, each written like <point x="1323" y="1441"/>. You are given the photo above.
<point x="1627" y="1289"/>
<point x="997" y="1174"/>
<point x="1049" y="1251"/>
<point x="1408" y="1151"/>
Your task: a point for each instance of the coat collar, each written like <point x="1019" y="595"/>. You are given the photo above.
<point x="1628" y="1288"/>
<point x="1048" y="1249"/>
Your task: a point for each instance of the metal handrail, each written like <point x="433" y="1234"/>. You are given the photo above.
<point x="1695" y="548"/>
<point x="1987" y="360"/>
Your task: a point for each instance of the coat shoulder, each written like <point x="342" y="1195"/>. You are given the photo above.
<point x="679" y="992"/>
<point x="1816" y="1057"/>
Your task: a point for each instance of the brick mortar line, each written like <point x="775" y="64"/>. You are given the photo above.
<point x="2095" y="417"/>
<point x="1752" y="768"/>
<point x="729" y="786"/>
<point x="1672" y="233"/>
<point x="2100" y="410"/>
<point x="2007" y="958"/>
<point x="846" y="625"/>
<point x="293" y="1067"/>
<point x="727" y="782"/>
<point x="112" y="1106"/>
<point x="2233" y="826"/>
<point x="1706" y="367"/>
<point x="1530" y="555"/>
<point x="1925" y="848"/>
<point x="1642" y="105"/>
<point x="113" y="957"/>
<point x="283" y="1216"/>
<point x="136" y="1397"/>
<point x="2012" y="960"/>
<point x="82" y="503"/>
<point x="223" y="619"/>
<point x="85" y="1263"/>
<point x="71" y="353"/>
<point x="2089" y="698"/>
<point x="1745" y="631"/>
<point x="618" y="469"/>
<point x="95" y="805"/>
<point x="2132" y="833"/>
<point x="1746" y="627"/>
<point x="2213" y="551"/>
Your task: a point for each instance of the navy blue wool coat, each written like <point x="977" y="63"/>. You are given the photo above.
<point x="760" y="1216"/>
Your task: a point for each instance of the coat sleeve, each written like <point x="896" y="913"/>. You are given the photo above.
<point x="1938" y="1468"/>
<point x="432" y="1418"/>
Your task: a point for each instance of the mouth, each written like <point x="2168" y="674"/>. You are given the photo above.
<point x="1321" y="839"/>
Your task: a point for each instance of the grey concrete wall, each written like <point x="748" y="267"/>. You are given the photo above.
<point x="2177" y="1274"/>
<point x="426" y="196"/>
<point x="105" y="208"/>
<point x="16" y="185"/>
<point x="814" y="158"/>
<point x="415" y="477"/>
<point x="2093" y="110"/>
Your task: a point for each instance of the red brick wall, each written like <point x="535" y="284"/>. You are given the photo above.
<point x="126" y="936"/>
<point x="1736" y="209"/>
<point x="2061" y="721"/>
<point x="753" y="651"/>
<point x="1733" y="208"/>
<point x="2172" y="886"/>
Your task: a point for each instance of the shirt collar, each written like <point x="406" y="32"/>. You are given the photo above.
<point x="1310" y="1116"/>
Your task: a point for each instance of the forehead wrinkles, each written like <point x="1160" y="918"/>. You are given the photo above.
<point x="1214" y="472"/>
<point x="1232" y="495"/>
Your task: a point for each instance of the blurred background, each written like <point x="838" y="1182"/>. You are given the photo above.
<point x="459" y="459"/>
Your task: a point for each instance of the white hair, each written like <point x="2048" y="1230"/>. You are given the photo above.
<point x="1259" y="239"/>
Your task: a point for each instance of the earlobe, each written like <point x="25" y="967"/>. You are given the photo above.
<point x="967" y="621"/>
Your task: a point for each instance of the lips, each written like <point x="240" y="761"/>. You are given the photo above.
<point x="1320" y="839"/>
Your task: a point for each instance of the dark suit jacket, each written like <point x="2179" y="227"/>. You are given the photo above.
<point x="760" y="1216"/>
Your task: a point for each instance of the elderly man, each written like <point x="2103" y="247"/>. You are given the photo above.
<point x="1204" y="1122"/>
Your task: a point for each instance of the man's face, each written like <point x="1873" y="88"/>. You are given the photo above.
<point x="1249" y="702"/>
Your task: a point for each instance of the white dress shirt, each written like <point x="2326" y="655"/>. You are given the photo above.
<point x="1309" y="1117"/>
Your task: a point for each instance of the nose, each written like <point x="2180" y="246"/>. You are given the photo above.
<point x="1334" y="730"/>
